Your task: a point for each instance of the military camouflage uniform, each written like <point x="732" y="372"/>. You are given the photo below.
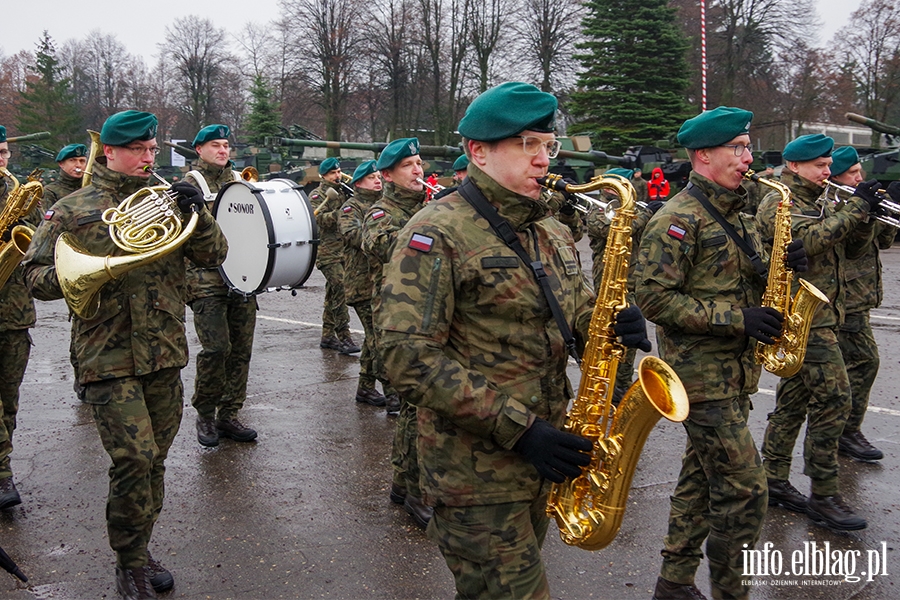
<point x="359" y="283"/>
<point x="469" y="339"/>
<point x="17" y="316"/>
<point x="224" y="322"/>
<point x="330" y="259"/>
<point x="821" y="388"/>
<point x="571" y="220"/>
<point x="692" y="280"/>
<point x="641" y="189"/>
<point x="130" y="354"/>
<point x="64" y="185"/>
<point x="864" y="292"/>
<point x="381" y="226"/>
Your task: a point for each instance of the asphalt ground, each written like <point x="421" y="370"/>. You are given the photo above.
<point x="304" y="511"/>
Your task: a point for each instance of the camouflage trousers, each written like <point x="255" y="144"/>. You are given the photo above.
<point x="371" y="369"/>
<point x="721" y="496"/>
<point x="16" y="347"/>
<point x="137" y="418"/>
<point x="820" y="391"/>
<point x="860" y="354"/>
<point x="225" y="327"/>
<point x="494" y="551"/>
<point x="404" y="454"/>
<point x="335" y="317"/>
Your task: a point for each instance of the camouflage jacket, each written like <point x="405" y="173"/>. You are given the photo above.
<point x="139" y="328"/>
<point x="826" y="233"/>
<point x="573" y="221"/>
<point x="64" y="185"/>
<point x="692" y="280"/>
<point x="865" y="289"/>
<point x="16" y="304"/>
<point x="358" y="268"/>
<point x="202" y="282"/>
<point x="598" y="232"/>
<point x="469" y="339"/>
<point x="641" y="189"/>
<point x="383" y="221"/>
<point x="328" y="207"/>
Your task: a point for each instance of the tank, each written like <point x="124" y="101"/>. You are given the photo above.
<point x="881" y="163"/>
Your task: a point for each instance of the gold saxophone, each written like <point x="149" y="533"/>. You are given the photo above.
<point x="589" y="508"/>
<point x="21" y="200"/>
<point x="785" y="357"/>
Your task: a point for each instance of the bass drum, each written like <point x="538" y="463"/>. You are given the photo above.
<point x="271" y="232"/>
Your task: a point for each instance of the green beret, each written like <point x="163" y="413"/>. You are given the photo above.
<point x="844" y="158"/>
<point x="329" y="164"/>
<point x="508" y="110"/>
<point x="808" y="147"/>
<point x="127" y="126"/>
<point x="714" y="127"/>
<point x="362" y="171"/>
<point x="71" y="151"/>
<point x="397" y="151"/>
<point x="211" y="132"/>
<point x="461" y="163"/>
<point x="626" y="173"/>
<point x="2" y="134"/>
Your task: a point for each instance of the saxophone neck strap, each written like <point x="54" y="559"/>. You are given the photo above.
<point x="755" y="259"/>
<point x="474" y="196"/>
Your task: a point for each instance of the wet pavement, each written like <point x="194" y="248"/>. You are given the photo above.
<point x="304" y="511"/>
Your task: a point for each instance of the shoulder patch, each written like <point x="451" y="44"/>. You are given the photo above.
<point x="48" y="215"/>
<point x="422" y="243"/>
<point x="377" y="214"/>
<point x="676" y="232"/>
<point x="347" y="209"/>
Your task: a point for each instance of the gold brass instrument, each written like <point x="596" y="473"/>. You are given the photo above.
<point x="589" y="509"/>
<point x="96" y="146"/>
<point x="21" y="200"/>
<point x="146" y="224"/>
<point x="582" y="202"/>
<point x="250" y="174"/>
<point x="891" y="210"/>
<point x="434" y="189"/>
<point x="785" y="357"/>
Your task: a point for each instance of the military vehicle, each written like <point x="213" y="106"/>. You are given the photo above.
<point x="882" y="164"/>
<point x="29" y="156"/>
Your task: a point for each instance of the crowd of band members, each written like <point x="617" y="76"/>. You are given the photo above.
<point x="432" y="337"/>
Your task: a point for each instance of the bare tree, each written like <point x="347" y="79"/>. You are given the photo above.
<point x="445" y="36"/>
<point x="13" y="74"/>
<point x="390" y="38"/>
<point x="547" y="31"/>
<point x="488" y="20"/>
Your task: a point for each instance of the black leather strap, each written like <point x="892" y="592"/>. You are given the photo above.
<point x="474" y="196"/>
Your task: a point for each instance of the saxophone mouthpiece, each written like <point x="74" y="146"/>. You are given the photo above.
<point x="749" y="174"/>
<point x="553" y="182"/>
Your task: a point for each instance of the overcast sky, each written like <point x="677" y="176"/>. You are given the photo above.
<point x="141" y="26"/>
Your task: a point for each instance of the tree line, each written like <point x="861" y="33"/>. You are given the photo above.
<point x="626" y="71"/>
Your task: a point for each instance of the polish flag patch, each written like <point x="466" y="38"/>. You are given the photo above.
<point x="347" y="209"/>
<point x="377" y="214"/>
<point x="676" y="232"/>
<point x="420" y="242"/>
<point x="48" y="215"/>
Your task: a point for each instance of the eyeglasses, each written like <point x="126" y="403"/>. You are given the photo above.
<point x="739" y="149"/>
<point x="532" y="145"/>
<point x="4" y="153"/>
<point x="141" y="150"/>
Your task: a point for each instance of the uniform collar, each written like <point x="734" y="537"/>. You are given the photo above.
<point x="722" y="198"/>
<point x="117" y="183"/>
<point x="69" y="181"/>
<point x="520" y="211"/>
<point x="802" y="189"/>
<point x="366" y="196"/>
<point x="214" y="171"/>
<point x="402" y="196"/>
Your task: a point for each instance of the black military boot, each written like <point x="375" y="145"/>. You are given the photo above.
<point x="418" y="510"/>
<point x="831" y="512"/>
<point x="9" y="495"/>
<point x="160" y="577"/>
<point x="370" y="396"/>
<point x="331" y="343"/>
<point x="669" y="590"/>
<point x="348" y="346"/>
<point x="207" y="434"/>
<point x="134" y="584"/>
<point x="856" y="446"/>
<point x="392" y="405"/>
<point x="234" y="429"/>
<point x="782" y="493"/>
<point x="398" y="493"/>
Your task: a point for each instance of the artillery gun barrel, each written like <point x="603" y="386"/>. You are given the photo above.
<point x="183" y="150"/>
<point x="876" y="125"/>
<point x="599" y="158"/>
<point x="31" y="137"/>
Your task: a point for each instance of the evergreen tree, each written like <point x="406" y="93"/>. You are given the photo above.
<point x="47" y="104"/>
<point x="631" y="89"/>
<point x="263" y="119"/>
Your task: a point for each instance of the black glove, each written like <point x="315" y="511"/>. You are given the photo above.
<point x="556" y="455"/>
<point x="893" y="191"/>
<point x="762" y="323"/>
<point x="796" y="257"/>
<point x="631" y="328"/>
<point x="654" y="205"/>
<point x="868" y="192"/>
<point x="188" y="197"/>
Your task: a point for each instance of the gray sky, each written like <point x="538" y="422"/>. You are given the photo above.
<point x="141" y="26"/>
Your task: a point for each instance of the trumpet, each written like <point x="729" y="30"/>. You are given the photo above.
<point x="582" y="202"/>
<point x="345" y="179"/>
<point x="890" y="210"/>
<point x="433" y="188"/>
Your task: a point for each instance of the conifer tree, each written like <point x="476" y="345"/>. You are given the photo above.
<point x="47" y="104"/>
<point x="263" y="119"/>
<point x="634" y="74"/>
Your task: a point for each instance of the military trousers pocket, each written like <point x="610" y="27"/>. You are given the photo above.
<point x="98" y="392"/>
